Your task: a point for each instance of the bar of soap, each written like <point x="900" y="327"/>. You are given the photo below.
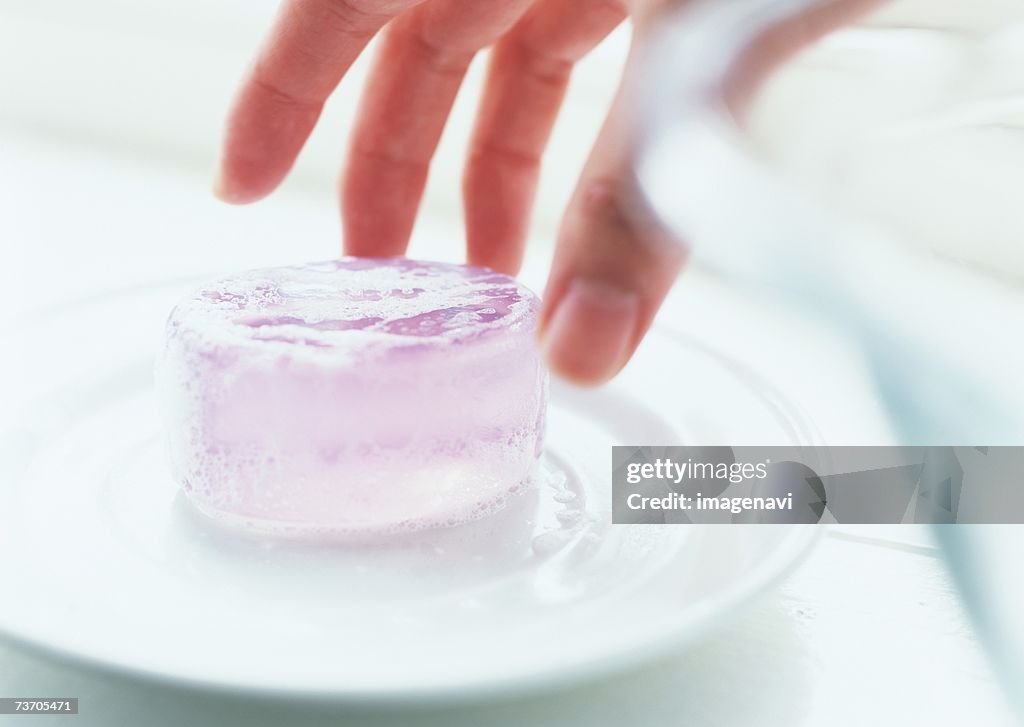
<point x="353" y="395"/>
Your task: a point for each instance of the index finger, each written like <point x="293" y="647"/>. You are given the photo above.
<point x="310" y="48"/>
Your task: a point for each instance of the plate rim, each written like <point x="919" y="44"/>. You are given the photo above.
<point x="670" y="636"/>
<point x="699" y="624"/>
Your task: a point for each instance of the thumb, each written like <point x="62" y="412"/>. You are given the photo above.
<point x="613" y="264"/>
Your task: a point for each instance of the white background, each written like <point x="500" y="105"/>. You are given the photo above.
<point x="109" y="117"/>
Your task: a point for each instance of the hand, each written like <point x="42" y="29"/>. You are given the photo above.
<point x="613" y="265"/>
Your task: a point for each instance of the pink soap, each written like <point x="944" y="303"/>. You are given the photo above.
<point x="353" y="395"/>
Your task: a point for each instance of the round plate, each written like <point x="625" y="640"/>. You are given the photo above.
<point x="103" y="560"/>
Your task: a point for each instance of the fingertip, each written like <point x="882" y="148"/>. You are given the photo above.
<point x="497" y="198"/>
<point x="231" y="186"/>
<point x="263" y="136"/>
<point x="579" y="376"/>
<point x="591" y="331"/>
<point x="507" y="260"/>
<point x="222" y="190"/>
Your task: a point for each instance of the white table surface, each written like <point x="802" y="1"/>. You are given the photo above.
<point x="867" y="631"/>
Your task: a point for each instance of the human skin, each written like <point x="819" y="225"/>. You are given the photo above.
<point x="613" y="263"/>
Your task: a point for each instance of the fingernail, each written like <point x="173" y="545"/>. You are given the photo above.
<point x="223" y="190"/>
<point x="218" y="186"/>
<point x="588" y="337"/>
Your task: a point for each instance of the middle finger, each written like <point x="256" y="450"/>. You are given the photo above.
<point x="408" y="95"/>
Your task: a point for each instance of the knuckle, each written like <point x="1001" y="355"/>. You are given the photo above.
<point x="493" y="152"/>
<point x="279" y="95"/>
<point x="621" y="230"/>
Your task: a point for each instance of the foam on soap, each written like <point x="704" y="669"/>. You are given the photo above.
<point x="354" y="395"/>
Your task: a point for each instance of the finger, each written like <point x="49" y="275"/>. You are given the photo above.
<point x="613" y="266"/>
<point x="410" y="91"/>
<point x="615" y="263"/>
<point x="311" y="46"/>
<point x="526" y="82"/>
